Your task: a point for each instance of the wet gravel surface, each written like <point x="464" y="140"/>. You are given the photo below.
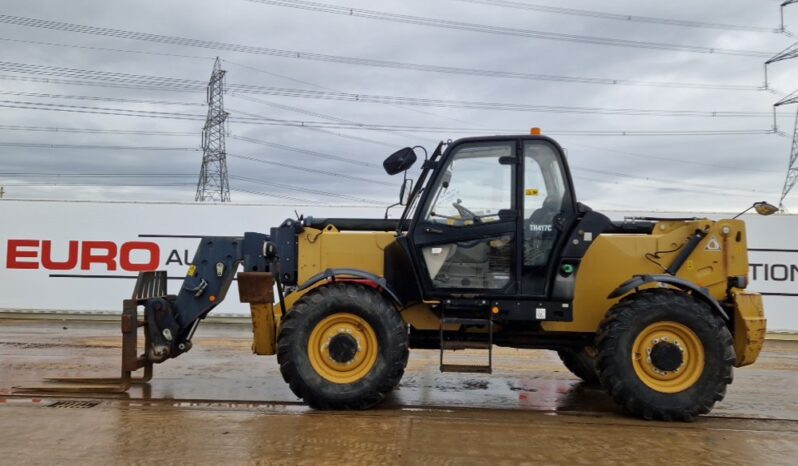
<point x="221" y="404"/>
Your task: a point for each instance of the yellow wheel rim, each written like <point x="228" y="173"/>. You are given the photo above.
<point x="685" y="357"/>
<point x="343" y="348"/>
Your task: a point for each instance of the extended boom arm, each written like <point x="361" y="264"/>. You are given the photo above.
<point x="171" y="320"/>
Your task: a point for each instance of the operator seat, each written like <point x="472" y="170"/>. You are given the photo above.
<point x="539" y="232"/>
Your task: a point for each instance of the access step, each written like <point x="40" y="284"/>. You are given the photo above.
<point x="467" y="368"/>
<point x="466" y="321"/>
<point x="461" y="344"/>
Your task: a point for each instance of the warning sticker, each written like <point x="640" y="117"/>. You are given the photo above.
<point x="713" y="244"/>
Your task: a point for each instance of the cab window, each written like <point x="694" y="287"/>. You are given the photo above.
<point x="474" y="187"/>
<point x="544" y="202"/>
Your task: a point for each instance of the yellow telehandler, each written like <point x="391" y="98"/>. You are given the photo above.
<point x="492" y="249"/>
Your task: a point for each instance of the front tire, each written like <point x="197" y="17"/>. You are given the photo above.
<point x="342" y="346"/>
<point x="582" y="364"/>
<point x="664" y="355"/>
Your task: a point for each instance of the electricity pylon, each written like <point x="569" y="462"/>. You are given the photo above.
<point x="213" y="184"/>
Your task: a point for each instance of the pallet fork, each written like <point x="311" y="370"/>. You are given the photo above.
<point x="169" y="321"/>
<point x="148" y="285"/>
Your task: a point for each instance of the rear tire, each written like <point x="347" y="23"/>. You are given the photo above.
<point x="664" y="355"/>
<point x="342" y="346"/>
<point x="581" y="364"/>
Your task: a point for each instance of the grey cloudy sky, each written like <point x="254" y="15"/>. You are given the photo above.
<point x="676" y="172"/>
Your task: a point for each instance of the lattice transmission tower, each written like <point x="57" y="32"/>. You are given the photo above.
<point x="783" y="4"/>
<point x="213" y="184"/>
<point x="792" y="168"/>
<point x="789" y="53"/>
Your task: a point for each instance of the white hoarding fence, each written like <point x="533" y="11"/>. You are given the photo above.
<point x="83" y="256"/>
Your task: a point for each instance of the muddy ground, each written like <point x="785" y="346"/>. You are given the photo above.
<point x="220" y="404"/>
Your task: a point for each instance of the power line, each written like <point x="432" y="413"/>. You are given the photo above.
<point x="349" y="136"/>
<point x="483" y="105"/>
<point x="619" y="17"/>
<point x="116" y="184"/>
<point x="308" y="170"/>
<point x="432" y="129"/>
<point x="506" y="31"/>
<point x="439" y="103"/>
<point x="367" y="127"/>
<point x="53" y="129"/>
<point x="321" y="155"/>
<point x="184" y="84"/>
<point x="320" y="115"/>
<point x="95" y="146"/>
<point x="38" y="70"/>
<point x="670" y="182"/>
<point x="663" y="132"/>
<point x="106" y="49"/>
<point x="109" y="84"/>
<point x="97" y="110"/>
<point x="274" y="195"/>
<point x="101" y="99"/>
<point x="415" y="110"/>
<point x="94" y="175"/>
<point x="194" y="85"/>
<point x="281" y="196"/>
<point x="671" y="160"/>
<point x="100" y="185"/>
<point x="306" y="190"/>
<point x="670" y="187"/>
<point x="306" y="202"/>
<point x="304" y="55"/>
<point x="324" y="116"/>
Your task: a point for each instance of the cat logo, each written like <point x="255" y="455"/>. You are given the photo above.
<point x="713" y="244"/>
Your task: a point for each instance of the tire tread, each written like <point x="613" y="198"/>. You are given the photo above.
<point x="620" y="320"/>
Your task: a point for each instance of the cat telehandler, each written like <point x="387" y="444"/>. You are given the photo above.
<point x="492" y="249"/>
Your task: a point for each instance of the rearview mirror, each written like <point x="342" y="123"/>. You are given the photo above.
<point x="763" y="208"/>
<point x="399" y="161"/>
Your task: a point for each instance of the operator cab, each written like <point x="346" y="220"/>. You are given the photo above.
<point x="489" y="218"/>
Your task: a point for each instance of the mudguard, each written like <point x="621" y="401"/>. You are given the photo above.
<point x="676" y="282"/>
<point x="352" y="273"/>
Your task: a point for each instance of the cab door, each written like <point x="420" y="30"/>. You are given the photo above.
<point x="464" y="232"/>
<point x="548" y="214"/>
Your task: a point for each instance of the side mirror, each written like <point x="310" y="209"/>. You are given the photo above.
<point x="763" y="208"/>
<point x="399" y="161"/>
<point x="404" y="191"/>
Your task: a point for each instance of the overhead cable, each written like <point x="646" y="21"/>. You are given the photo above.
<point x="304" y="55"/>
<point x="506" y="31"/>
<point x="620" y="17"/>
<point x="312" y="153"/>
<point x="94" y="146"/>
<point x="308" y="169"/>
<point x="305" y="189"/>
<point x="55" y="129"/>
<point x="186" y="84"/>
